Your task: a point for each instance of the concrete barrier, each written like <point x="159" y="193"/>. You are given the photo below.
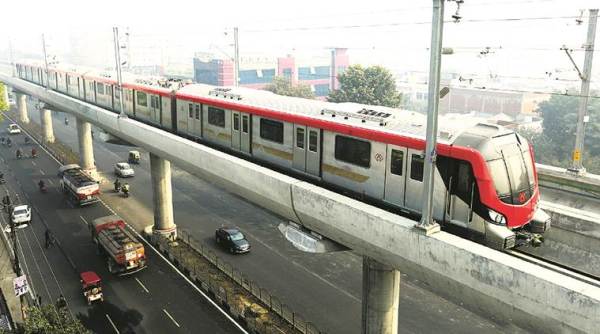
<point x="502" y="287"/>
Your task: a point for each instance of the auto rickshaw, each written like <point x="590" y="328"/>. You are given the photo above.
<point x="134" y="157"/>
<point x="91" y="285"/>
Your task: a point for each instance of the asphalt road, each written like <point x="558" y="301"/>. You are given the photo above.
<point x="323" y="288"/>
<point x="155" y="300"/>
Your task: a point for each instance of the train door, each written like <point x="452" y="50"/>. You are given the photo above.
<point x="245" y="135"/>
<point x="197" y="120"/>
<point x="307" y="150"/>
<point x="236" y="129"/>
<point x="395" y="175"/>
<point x="414" y="180"/>
<point x="462" y="192"/>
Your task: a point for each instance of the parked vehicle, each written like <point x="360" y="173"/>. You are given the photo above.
<point x="91" y="285"/>
<point x="232" y="239"/>
<point x="78" y="185"/>
<point x="14" y="129"/>
<point x="21" y="215"/>
<point x="123" y="169"/>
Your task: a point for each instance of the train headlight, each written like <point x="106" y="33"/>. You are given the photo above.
<point x="497" y="218"/>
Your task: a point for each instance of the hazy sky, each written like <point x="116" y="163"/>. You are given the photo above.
<point x="395" y="34"/>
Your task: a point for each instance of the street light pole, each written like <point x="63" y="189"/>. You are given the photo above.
<point x="577" y="166"/>
<point x="118" y="67"/>
<point x="46" y="60"/>
<point x="437" y="25"/>
<point x="12" y="61"/>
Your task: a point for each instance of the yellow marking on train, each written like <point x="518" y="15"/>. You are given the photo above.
<point x="224" y="136"/>
<point x="273" y="151"/>
<point x="344" y="173"/>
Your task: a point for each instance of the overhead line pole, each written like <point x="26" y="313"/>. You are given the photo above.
<point x="236" y="57"/>
<point x="437" y="26"/>
<point x="46" y="60"/>
<point x="577" y="166"/>
<point x="118" y="67"/>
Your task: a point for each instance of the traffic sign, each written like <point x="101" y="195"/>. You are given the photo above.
<point x="20" y="285"/>
<point x="576" y="155"/>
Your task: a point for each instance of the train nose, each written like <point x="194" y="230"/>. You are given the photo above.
<point x="541" y="222"/>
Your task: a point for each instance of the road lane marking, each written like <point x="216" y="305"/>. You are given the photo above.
<point x="42" y="172"/>
<point x="33" y="163"/>
<point x="50" y="181"/>
<point x="85" y="221"/>
<point x="170" y="317"/>
<point x="112" y="323"/>
<point x="142" y="285"/>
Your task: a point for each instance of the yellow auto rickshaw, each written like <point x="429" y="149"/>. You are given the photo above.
<point x="134" y="157"/>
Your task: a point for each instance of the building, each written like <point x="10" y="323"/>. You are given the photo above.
<point x="258" y="72"/>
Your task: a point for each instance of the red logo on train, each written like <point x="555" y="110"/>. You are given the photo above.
<point x="522" y="197"/>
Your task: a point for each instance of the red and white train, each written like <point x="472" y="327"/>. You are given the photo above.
<point x="486" y="180"/>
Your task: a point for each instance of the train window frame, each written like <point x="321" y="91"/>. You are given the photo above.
<point x="344" y="152"/>
<point x="99" y="88"/>
<point x="417" y="165"/>
<point x="397" y="165"/>
<point x="190" y="110"/>
<point x="117" y="94"/>
<point x="271" y="130"/>
<point x="300" y="138"/>
<point x="236" y="122"/>
<point x="141" y="102"/>
<point x="216" y="117"/>
<point x="313" y="146"/>
<point x="197" y="111"/>
<point x="245" y="123"/>
<point x="154" y="102"/>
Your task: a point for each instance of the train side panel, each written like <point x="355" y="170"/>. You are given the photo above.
<point x="272" y="141"/>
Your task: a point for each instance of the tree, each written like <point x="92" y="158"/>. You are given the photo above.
<point x="283" y="86"/>
<point x="555" y="145"/>
<point x="3" y="103"/>
<point x="373" y="85"/>
<point x="51" y="319"/>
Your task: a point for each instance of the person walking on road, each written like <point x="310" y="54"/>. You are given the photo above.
<point x="49" y="239"/>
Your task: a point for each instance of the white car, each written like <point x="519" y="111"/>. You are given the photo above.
<point x="21" y="215"/>
<point x="14" y="129"/>
<point x="123" y="169"/>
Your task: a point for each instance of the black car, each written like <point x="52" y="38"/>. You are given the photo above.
<point x="232" y="239"/>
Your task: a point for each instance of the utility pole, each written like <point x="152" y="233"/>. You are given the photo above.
<point x="46" y="60"/>
<point x="236" y="51"/>
<point x="118" y="68"/>
<point x="437" y="26"/>
<point x="582" y="118"/>
<point x="333" y="74"/>
<point x="12" y="61"/>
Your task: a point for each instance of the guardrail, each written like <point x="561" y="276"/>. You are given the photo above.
<point x="220" y="291"/>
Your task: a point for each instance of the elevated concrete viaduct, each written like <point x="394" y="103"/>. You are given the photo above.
<point x="495" y="283"/>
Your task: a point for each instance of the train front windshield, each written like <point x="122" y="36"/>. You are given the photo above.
<point x="513" y="172"/>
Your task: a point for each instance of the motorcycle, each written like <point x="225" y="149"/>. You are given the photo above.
<point x="43" y="188"/>
<point x="9" y="143"/>
<point x="33" y="153"/>
<point x="117" y="186"/>
<point x="19" y="155"/>
<point x="26" y="140"/>
<point x="125" y="190"/>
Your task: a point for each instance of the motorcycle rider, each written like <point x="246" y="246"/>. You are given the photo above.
<point x="125" y="189"/>
<point x="117" y="185"/>
<point x="33" y="152"/>
<point x="41" y="184"/>
<point x="19" y="153"/>
<point x="66" y="121"/>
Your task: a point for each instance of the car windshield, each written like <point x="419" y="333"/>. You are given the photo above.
<point x="237" y="236"/>
<point x="13" y="126"/>
<point x="20" y="212"/>
<point x="124" y="166"/>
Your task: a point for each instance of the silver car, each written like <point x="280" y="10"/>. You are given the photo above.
<point x="123" y="169"/>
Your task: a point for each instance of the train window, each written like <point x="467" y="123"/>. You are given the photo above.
<point x="216" y="117"/>
<point x="117" y="94"/>
<point x="271" y="130"/>
<point x="354" y="151"/>
<point x="190" y="110"/>
<point x="108" y="90"/>
<point x="100" y="88"/>
<point x="300" y="138"/>
<point x="236" y="122"/>
<point x="245" y="124"/>
<point x="463" y="182"/>
<point x="416" y="167"/>
<point x="312" y="141"/>
<point x="142" y="99"/>
<point x="397" y="162"/>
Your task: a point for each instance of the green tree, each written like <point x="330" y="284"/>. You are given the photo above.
<point x="283" y="86"/>
<point x="49" y="319"/>
<point x="373" y="85"/>
<point x="3" y="102"/>
<point x="555" y="145"/>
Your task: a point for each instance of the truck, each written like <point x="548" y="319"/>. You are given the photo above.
<point x="78" y="185"/>
<point x="124" y="253"/>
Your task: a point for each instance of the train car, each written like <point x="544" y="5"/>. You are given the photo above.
<point x="485" y="180"/>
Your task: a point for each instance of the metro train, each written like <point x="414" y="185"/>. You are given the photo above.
<point x="485" y="181"/>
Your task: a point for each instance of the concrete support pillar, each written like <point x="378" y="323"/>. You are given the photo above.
<point x="86" y="147"/>
<point x="381" y="295"/>
<point x="22" y="106"/>
<point x="162" y="196"/>
<point x="47" y="131"/>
